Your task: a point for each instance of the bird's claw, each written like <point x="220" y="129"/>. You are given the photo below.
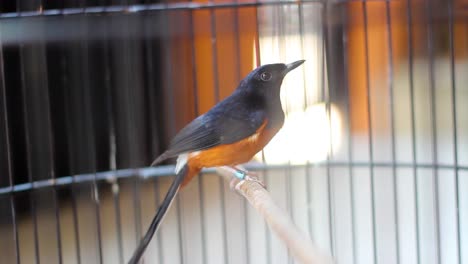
<point x="254" y="178"/>
<point x="243" y="175"/>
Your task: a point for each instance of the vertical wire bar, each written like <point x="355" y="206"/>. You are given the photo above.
<point x="350" y="143"/>
<point x="331" y="212"/>
<point x="136" y="197"/>
<point x="63" y="65"/>
<point x="92" y="140"/>
<point x="52" y="161"/>
<point x="369" y="118"/>
<point x="131" y="135"/>
<point x="289" y="200"/>
<point x="15" y="227"/>
<point x="172" y="124"/>
<point x="153" y="120"/>
<point x="168" y="65"/>
<point x="90" y="135"/>
<point x="223" y="220"/>
<point x="282" y="39"/>
<point x="196" y="112"/>
<point x="201" y="191"/>
<point x="75" y="210"/>
<point x="239" y="77"/>
<point x="265" y="170"/>
<point x="435" y="174"/>
<point x="266" y="229"/>
<point x="392" y="128"/>
<point x="28" y="145"/>
<point x="238" y="67"/>
<point x="180" y="215"/>
<point x="54" y="191"/>
<point x="58" y="225"/>
<point x="131" y="126"/>
<point x="455" y="128"/>
<point x="181" y="229"/>
<point x="30" y="173"/>
<point x="288" y="172"/>
<point x="257" y="39"/>
<point x="274" y="14"/>
<point x="113" y="150"/>
<point x="118" y="221"/>
<point x="237" y="43"/>
<point x="300" y="13"/>
<point x="8" y="154"/>
<point x="326" y="98"/>
<point x="413" y="125"/>
<point x="307" y="166"/>
<point x="319" y="94"/>
<point x="136" y="184"/>
<point x="214" y="53"/>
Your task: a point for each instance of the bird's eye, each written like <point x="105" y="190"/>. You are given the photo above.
<point x="265" y="76"/>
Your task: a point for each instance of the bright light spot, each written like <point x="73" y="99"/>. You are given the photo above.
<point x="307" y="136"/>
<point x="310" y="133"/>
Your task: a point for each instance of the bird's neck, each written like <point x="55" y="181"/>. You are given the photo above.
<point x="275" y="112"/>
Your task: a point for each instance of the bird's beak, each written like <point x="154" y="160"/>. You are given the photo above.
<point x="292" y="66"/>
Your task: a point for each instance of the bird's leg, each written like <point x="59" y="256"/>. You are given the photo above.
<point x="245" y="175"/>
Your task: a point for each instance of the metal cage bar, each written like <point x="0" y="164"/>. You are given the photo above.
<point x="392" y="127"/>
<point x="430" y="40"/>
<point x="350" y="151"/>
<point x="369" y="132"/>
<point x="413" y="129"/>
<point x="455" y="127"/>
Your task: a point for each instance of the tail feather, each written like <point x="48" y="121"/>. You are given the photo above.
<point x="155" y="223"/>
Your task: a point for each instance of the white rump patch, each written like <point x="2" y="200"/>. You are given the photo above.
<point x="181" y="161"/>
<point x="253" y="137"/>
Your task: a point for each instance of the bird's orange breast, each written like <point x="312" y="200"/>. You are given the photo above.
<point x="232" y="154"/>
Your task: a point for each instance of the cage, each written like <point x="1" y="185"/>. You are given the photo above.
<point x="372" y="161"/>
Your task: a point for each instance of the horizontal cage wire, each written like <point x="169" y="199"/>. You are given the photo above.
<point x="371" y="163"/>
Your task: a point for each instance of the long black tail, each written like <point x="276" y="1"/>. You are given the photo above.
<point x="171" y="193"/>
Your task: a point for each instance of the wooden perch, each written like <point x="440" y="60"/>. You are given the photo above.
<point x="277" y="219"/>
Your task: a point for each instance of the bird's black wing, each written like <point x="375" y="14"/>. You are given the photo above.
<point x="221" y="125"/>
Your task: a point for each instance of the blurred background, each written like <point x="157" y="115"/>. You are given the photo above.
<point x="372" y="162"/>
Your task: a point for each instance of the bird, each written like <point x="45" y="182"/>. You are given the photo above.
<point x="228" y="134"/>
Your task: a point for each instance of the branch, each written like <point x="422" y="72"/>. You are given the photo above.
<point x="277" y="219"/>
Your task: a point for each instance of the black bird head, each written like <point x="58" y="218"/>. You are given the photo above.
<point x="267" y="79"/>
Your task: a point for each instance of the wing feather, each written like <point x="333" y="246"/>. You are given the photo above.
<point x="212" y="129"/>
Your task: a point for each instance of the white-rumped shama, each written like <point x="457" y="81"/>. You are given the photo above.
<point x="230" y="133"/>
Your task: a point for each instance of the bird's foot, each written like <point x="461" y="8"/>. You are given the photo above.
<point x="246" y="176"/>
<point x="255" y="179"/>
